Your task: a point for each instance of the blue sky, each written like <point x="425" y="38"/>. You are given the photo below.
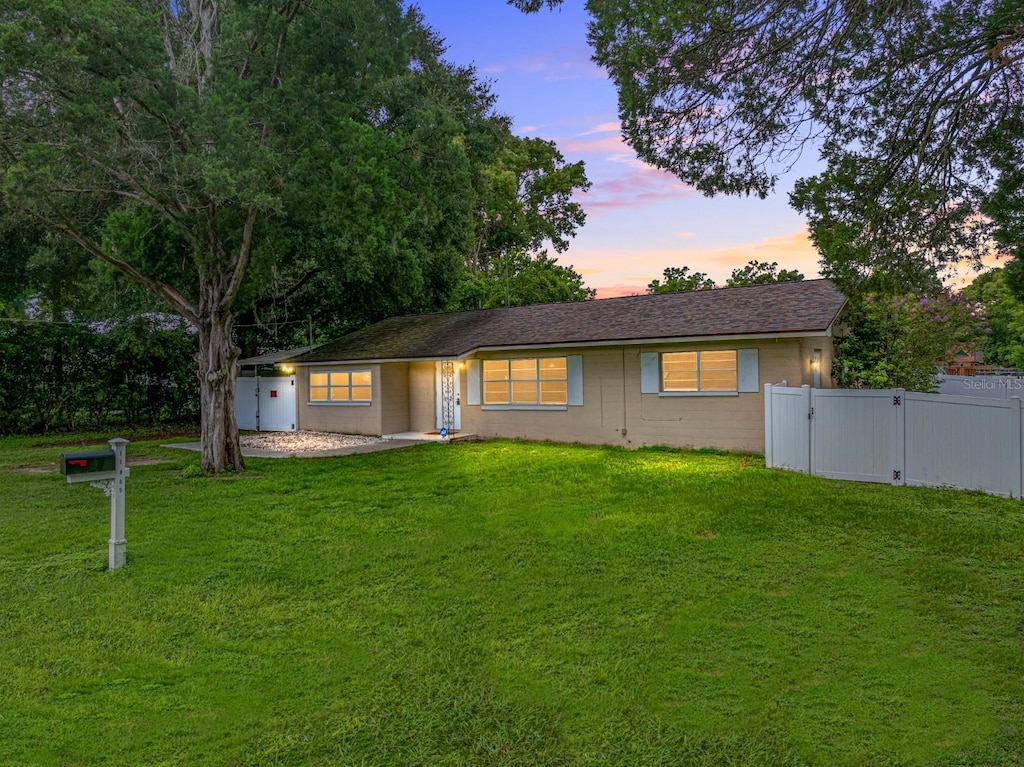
<point x="639" y="220"/>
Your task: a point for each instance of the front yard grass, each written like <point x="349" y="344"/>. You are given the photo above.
<point x="507" y="603"/>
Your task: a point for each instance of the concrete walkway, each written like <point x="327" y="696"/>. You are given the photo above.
<point x="250" y="452"/>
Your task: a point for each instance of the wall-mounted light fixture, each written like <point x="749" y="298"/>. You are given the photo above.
<point x="816" y="367"/>
<point x="287" y="369"/>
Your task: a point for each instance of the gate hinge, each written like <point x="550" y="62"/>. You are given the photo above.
<point x="811" y="414"/>
<point x="895" y="473"/>
<point x="896" y="402"/>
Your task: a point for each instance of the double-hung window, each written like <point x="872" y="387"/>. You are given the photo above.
<point x="340" y="386"/>
<point x="712" y="371"/>
<point x="527" y="381"/>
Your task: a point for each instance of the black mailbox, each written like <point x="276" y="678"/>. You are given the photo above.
<point x="87" y="466"/>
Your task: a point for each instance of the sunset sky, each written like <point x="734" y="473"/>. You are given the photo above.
<point x="639" y="220"/>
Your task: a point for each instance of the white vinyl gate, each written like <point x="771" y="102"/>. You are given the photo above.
<point x="897" y="437"/>
<point x="265" y="403"/>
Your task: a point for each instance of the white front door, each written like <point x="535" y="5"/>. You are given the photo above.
<point x="448" y="395"/>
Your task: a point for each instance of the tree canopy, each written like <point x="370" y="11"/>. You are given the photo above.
<point x="527" y="200"/>
<point x="494" y="209"/>
<point x="677" y="279"/>
<point x="761" y="273"/>
<point x="1004" y="311"/>
<point x="915" y="107"/>
<point x="903" y="340"/>
<point x="255" y="159"/>
<point x="520" y="279"/>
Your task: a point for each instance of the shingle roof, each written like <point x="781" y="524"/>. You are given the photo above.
<point x="788" y="307"/>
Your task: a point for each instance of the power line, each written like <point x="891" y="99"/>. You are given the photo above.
<point x="273" y="324"/>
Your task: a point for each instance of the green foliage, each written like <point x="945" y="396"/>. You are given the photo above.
<point x="18" y="241"/>
<point x="278" y="161"/>
<point x="527" y="200"/>
<point x="191" y="471"/>
<point x="437" y="186"/>
<point x="1005" y="206"/>
<point x="680" y="280"/>
<point x="62" y="377"/>
<point x="530" y="280"/>
<point x="914" y="107"/>
<point x="1004" y="311"/>
<point x="900" y="341"/>
<point x="761" y="273"/>
<point x="509" y="604"/>
<point x="878" y="233"/>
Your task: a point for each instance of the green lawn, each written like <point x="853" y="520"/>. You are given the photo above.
<point x="507" y="604"/>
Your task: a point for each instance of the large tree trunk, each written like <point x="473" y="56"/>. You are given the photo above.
<point x="218" y="364"/>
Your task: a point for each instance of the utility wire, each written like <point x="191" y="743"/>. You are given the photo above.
<point x="272" y="324"/>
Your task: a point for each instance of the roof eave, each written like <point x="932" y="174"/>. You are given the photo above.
<point x="818" y="333"/>
<point x="381" y="360"/>
<point x="664" y="340"/>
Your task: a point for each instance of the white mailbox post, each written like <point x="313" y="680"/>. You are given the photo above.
<point x="115" y="489"/>
<point x="107" y="470"/>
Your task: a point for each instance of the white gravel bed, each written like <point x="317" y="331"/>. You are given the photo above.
<point x="304" y="441"/>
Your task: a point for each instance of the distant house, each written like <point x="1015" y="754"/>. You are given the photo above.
<point x="683" y="369"/>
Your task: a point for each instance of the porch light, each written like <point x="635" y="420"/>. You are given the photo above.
<point x="287" y="369"/>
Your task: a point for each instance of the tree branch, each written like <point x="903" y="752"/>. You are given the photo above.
<point x="239" y="267"/>
<point x="166" y="293"/>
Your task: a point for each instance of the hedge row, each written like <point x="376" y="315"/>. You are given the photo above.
<point x="56" y="377"/>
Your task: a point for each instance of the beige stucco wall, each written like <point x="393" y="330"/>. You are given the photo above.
<point x="615" y="412"/>
<point x="422" y="398"/>
<point x="394" y="386"/>
<point x="341" y="418"/>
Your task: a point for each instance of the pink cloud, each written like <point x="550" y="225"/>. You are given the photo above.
<point x="610" y="148"/>
<point x="605" y="145"/>
<point x="790" y="251"/>
<point x="637" y="187"/>
<point x="625" y="271"/>
<point x="549" y="66"/>
<point x="617" y="291"/>
<point x="609" y="127"/>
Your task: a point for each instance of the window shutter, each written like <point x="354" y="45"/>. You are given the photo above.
<point x="574" y="371"/>
<point x="473" y="382"/>
<point x="649" y="373"/>
<point x="746" y="373"/>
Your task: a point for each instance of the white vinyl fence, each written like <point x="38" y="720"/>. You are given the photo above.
<point x="988" y="386"/>
<point x="897" y="437"/>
